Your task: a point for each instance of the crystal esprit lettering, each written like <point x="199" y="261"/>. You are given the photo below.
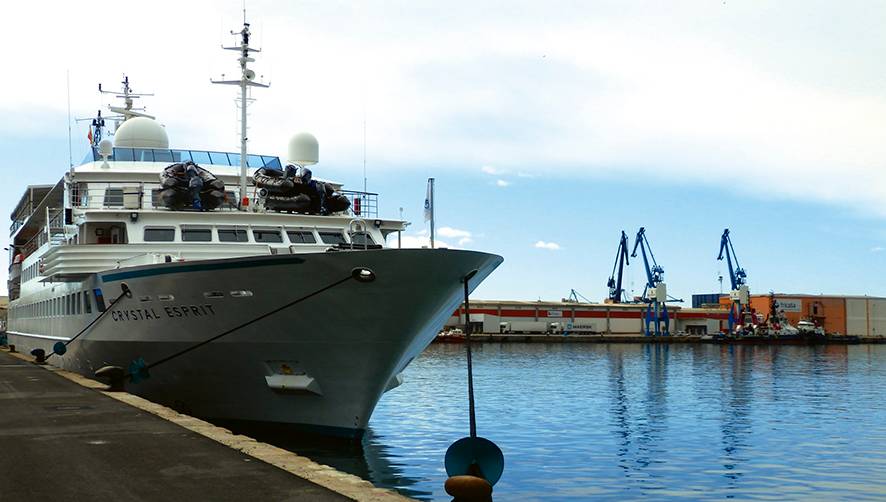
<point x="173" y="311"/>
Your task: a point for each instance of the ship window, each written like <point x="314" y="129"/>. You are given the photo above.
<point x="267" y="236"/>
<point x="200" y="157"/>
<point x="113" y="197"/>
<point x="162" y="155"/>
<point x="181" y="155"/>
<point x="271" y="161"/>
<point x="87" y="304"/>
<point x="332" y="236"/>
<point x="143" y="155"/>
<point x="219" y="159"/>
<point x="159" y="234"/>
<point x="196" y="234"/>
<point x="77" y="304"/>
<point x="254" y="161"/>
<point x="301" y="236"/>
<point x="232" y="235"/>
<point x="123" y="154"/>
<point x="362" y="239"/>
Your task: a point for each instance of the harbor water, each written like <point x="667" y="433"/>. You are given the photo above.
<point x="631" y="421"/>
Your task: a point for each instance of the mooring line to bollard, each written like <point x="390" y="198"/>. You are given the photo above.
<point x="138" y="370"/>
<point x="61" y="347"/>
<point x="474" y="464"/>
<point x="470" y="365"/>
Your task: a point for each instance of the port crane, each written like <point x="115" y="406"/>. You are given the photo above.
<point x="616" y="292"/>
<point x="576" y="297"/>
<point x="739" y="294"/>
<point x="655" y="293"/>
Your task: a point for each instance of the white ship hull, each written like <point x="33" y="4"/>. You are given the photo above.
<point x="322" y="363"/>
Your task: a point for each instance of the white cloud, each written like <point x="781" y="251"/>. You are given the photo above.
<point x="502" y="183"/>
<point x="417" y="241"/>
<point x="465" y="240"/>
<point x="452" y="232"/>
<point x="648" y="91"/>
<point x="553" y="246"/>
<point x="877" y="249"/>
<point x="493" y="171"/>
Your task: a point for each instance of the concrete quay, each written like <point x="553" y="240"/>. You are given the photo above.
<point x="63" y="438"/>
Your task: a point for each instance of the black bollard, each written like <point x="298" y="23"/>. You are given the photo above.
<point x="12" y="348"/>
<point x="114" y="375"/>
<point x="39" y="356"/>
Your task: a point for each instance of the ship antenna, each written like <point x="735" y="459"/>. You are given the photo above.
<point x="126" y="111"/>
<point x="246" y="80"/>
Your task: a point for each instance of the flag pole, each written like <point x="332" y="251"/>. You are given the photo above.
<point x="431" y="188"/>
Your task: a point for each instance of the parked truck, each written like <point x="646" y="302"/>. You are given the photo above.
<point x="530" y="327"/>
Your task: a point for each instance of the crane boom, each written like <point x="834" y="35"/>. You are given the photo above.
<point x="616" y="292"/>
<point x="655" y="292"/>
<point x="739" y="312"/>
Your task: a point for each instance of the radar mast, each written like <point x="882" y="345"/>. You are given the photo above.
<point x="246" y="80"/>
<point x="127" y="111"/>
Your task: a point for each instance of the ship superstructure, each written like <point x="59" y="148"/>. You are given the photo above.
<point x="194" y="272"/>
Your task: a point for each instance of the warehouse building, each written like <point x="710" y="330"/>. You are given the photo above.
<point x="496" y="317"/>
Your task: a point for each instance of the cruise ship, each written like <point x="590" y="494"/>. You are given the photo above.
<point x="234" y="308"/>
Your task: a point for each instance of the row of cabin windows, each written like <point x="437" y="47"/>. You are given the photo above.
<point x="328" y="236"/>
<point x="30" y="272"/>
<point x="72" y="304"/>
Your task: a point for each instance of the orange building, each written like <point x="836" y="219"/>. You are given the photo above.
<point x="849" y="315"/>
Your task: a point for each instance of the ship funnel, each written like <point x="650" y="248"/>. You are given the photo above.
<point x="304" y="149"/>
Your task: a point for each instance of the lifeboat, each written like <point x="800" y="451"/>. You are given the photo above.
<point x="185" y="185"/>
<point x="294" y="190"/>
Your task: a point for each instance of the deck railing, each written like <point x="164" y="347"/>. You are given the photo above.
<point x="147" y="196"/>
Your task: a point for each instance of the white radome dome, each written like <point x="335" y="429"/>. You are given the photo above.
<point x="304" y="149"/>
<point x="141" y="132"/>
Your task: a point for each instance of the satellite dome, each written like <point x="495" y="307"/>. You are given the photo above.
<point x="141" y="132"/>
<point x="304" y="149"/>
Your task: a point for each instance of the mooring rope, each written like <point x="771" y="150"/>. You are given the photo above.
<point x="55" y="349"/>
<point x="470" y="366"/>
<point x="361" y="274"/>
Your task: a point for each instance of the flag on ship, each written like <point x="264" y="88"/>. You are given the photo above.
<point x="429" y="200"/>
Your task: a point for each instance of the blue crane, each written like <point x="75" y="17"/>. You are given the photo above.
<point x="655" y="292"/>
<point x="616" y="292"/>
<point x="739" y="294"/>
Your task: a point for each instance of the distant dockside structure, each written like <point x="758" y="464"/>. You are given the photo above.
<point x="861" y="316"/>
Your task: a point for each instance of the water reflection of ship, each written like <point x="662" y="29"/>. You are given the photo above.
<point x="369" y="459"/>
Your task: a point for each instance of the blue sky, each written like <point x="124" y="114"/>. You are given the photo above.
<point x="553" y="122"/>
